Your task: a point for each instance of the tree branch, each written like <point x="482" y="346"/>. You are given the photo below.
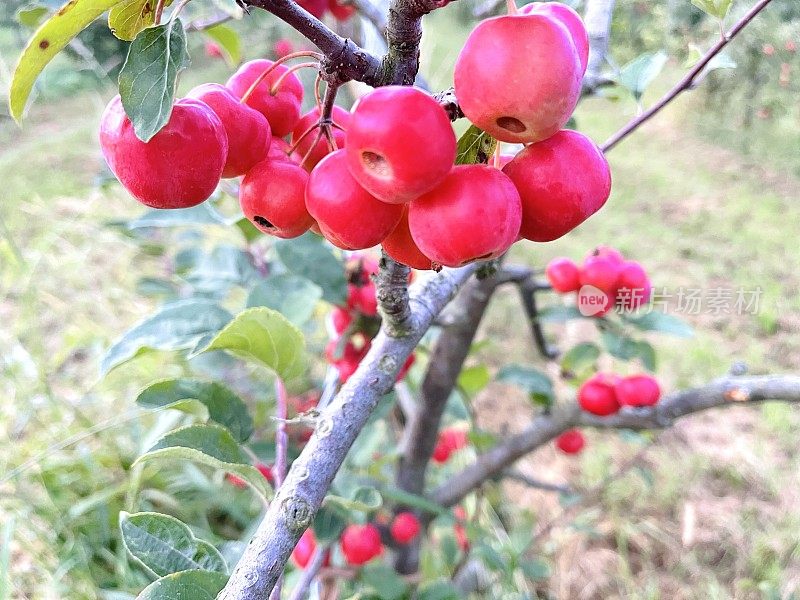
<point x="298" y="499"/>
<point x="726" y="391"/>
<point x="597" y="19"/>
<point x="688" y="81"/>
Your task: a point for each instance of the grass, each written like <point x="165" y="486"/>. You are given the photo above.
<point x="696" y="213"/>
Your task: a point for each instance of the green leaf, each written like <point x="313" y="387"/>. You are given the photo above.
<point x="310" y="257"/>
<point x="473" y="379"/>
<point x="215" y="273"/>
<point x="209" y="445"/>
<point x="410" y="500"/>
<point x="362" y="499"/>
<point x="164" y="545"/>
<point x="580" y="357"/>
<point x="202" y="214"/>
<point x="129" y="17"/>
<point x="147" y="79"/>
<point x="715" y="8"/>
<point x="263" y="335"/>
<point x="647" y="354"/>
<point x="638" y="74"/>
<point x="535" y="569"/>
<point x="186" y="585"/>
<point x="228" y="41"/>
<point x="224" y="407"/>
<point x="661" y="322"/>
<point x="292" y="296"/>
<point x="475" y="146"/>
<point x="249" y="231"/>
<point x="533" y="381"/>
<point x="481" y="440"/>
<point x="177" y="326"/>
<point x="438" y="590"/>
<point x="384" y="582"/>
<point x="490" y="557"/>
<point x="329" y="523"/>
<point x="619" y="346"/>
<point x="51" y="37"/>
<point x="31" y="16"/>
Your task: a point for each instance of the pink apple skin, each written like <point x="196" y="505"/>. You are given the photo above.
<point x="638" y="390"/>
<point x="248" y="131"/>
<point x="569" y="19"/>
<point x="518" y="77"/>
<point x="283" y="109"/>
<point x="179" y="167"/>
<point x="272" y="196"/>
<point x="399" y="143"/>
<point x="340" y="116"/>
<point x="562" y="182"/>
<point x="474" y="214"/>
<point x="348" y="215"/>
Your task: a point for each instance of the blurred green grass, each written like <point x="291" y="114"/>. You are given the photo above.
<point x="695" y="211"/>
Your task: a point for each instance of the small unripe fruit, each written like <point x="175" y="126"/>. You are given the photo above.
<point x="179" y="167"/>
<point x="518" y="77"/>
<point x="638" y="390"/>
<point x="249" y="135"/>
<point x="597" y="395"/>
<point x="361" y="543"/>
<point x="401" y="247"/>
<point x="405" y="527"/>
<point x="563" y="274"/>
<point x="272" y="197"/>
<point x="400" y="143"/>
<point x="282" y="109"/>
<point x="569" y="19"/>
<point x="474" y="214"/>
<point x="571" y="441"/>
<point x="340" y="116"/>
<point x="562" y="181"/>
<point x="348" y="216"/>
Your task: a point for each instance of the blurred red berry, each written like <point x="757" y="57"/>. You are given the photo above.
<point x="571" y="441"/>
<point x="638" y="390"/>
<point x="405" y="527"/>
<point x="361" y="543"/>
<point x="563" y="274"/>
<point x="213" y="50"/>
<point x="597" y="395"/>
<point x="282" y="47"/>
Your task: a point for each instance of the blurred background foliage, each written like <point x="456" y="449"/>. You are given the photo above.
<point x="704" y="196"/>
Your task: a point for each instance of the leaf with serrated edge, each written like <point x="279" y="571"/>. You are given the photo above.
<point x="224" y="406"/>
<point x="186" y="585"/>
<point x="148" y="77"/>
<point x="162" y="544"/>
<point x="51" y="37"/>
<point x="211" y="445"/>
<point x="266" y="336"/>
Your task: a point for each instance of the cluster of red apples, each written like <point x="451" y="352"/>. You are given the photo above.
<point x="624" y="283"/>
<point x="354" y="325"/>
<point x="385" y="173"/>
<point x="359" y="543"/>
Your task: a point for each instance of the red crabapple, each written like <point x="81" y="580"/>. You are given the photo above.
<point x="399" y="143"/>
<point x="601" y="272"/>
<point x="563" y="274"/>
<point x="597" y="395"/>
<point x="282" y="108"/>
<point x="518" y="77"/>
<point x="562" y="181"/>
<point x="448" y="441"/>
<point x="305" y="548"/>
<point x="179" y="167"/>
<point x="405" y="527"/>
<point x="569" y="19"/>
<point x="279" y="150"/>
<point x="315" y="7"/>
<point x="340" y="117"/>
<point x="607" y="252"/>
<point x="571" y="441"/>
<point x="266" y="471"/>
<point x="249" y="135"/>
<point x="341" y="319"/>
<point x="633" y="286"/>
<point x="340" y="11"/>
<point x="638" y="390"/>
<point x="348" y="216"/>
<point x="474" y="214"/>
<point x="213" y="50"/>
<point x="401" y="247"/>
<point x="272" y="197"/>
<point x="282" y="47"/>
<point x="361" y="543"/>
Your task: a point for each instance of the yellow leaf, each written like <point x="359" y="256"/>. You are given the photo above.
<point x="53" y="35"/>
<point x="129" y="17"/>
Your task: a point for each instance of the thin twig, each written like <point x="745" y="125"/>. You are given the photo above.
<point x="303" y="584"/>
<point x="687" y="82"/>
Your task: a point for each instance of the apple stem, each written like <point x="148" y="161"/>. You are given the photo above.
<point x="274" y="89"/>
<point x="273" y="66"/>
<point x="299" y="140"/>
<point x="512" y="7"/>
<point x="311" y="148"/>
<point x="177" y="10"/>
<point x="158" y="12"/>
